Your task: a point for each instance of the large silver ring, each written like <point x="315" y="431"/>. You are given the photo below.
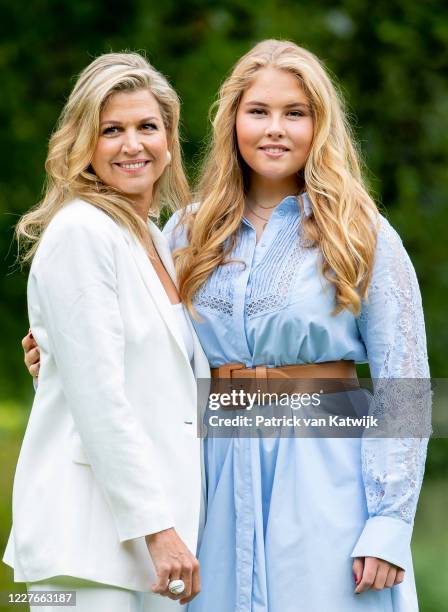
<point x="176" y="587"/>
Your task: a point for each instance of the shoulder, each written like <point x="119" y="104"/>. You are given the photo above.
<point x="389" y="244"/>
<point x="386" y="231"/>
<point x="79" y="224"/>
<point x="79" y="218"/>
<point x="175" y="228"/>
<point x="82" y="214"/>
<point x="180" y="216"/>
<point x="391" y="257"/>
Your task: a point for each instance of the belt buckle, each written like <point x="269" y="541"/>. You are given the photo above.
<point x="226" y="370"/>
<point x="223" y="383"/>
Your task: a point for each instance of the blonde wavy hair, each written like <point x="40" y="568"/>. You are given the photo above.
<point x="72" y="145"/>
<point x="343" y="223"/>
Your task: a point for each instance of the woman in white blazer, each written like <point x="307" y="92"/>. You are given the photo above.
<point x="107" y="492"/>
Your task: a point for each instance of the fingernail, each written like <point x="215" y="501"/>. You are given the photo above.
<point x="38" y="349"/>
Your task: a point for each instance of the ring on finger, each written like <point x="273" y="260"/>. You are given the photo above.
<point x="176" y="587"/>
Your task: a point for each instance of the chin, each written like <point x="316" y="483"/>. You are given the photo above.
<point x="274" y="176"/>
<point x="133" y="189"/>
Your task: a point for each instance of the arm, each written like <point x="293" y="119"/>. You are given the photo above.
<point x="392" y="327"/>
<point x="74" y="279"/>
<point x="174" y="234"/>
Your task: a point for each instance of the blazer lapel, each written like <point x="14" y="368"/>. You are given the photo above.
<point x="200" y="361"/>
<point x="152" y="281"/>
<point x="200" y="364"/>
<point x="163" y="249"/>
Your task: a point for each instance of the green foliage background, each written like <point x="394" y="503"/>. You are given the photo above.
<point x="391" y="60"/>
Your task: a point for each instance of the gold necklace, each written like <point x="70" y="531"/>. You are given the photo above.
<point x="259" y="216"/>
<point x="266" y="207"/>
<point x="296" y="195"/>
<point x="256" y="214"/>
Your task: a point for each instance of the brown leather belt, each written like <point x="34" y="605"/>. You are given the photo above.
<point x="326" y="369"/>
<point x="326" y="377"/>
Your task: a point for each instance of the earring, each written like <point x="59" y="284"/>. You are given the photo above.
<point x="168" y="157"/>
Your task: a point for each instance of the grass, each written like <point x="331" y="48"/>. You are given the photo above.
<point x="430" y="542"/>
<point x="430" y="546"/>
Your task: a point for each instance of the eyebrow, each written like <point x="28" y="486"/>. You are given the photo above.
<point x="290" y="105"/>
<point x="145" y="120"/>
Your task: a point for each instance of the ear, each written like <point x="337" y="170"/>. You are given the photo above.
<point x="168" y="157"/>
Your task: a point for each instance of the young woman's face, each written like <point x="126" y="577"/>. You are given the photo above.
<point x="131" y="153"/>
<point x="274" y="125"/>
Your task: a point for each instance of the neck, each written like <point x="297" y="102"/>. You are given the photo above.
<point x="267" y="192"/>
<point x="141" y="206"/>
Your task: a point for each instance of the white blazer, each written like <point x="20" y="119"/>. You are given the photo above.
<point x="111" y="452"/>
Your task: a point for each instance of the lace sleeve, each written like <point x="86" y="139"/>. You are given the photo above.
<point x="392" y="327"/>
<point x="391" y="322"/>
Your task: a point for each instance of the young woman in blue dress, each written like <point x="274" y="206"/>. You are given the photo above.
<point x="315" y="276"/>
<point x="289" y="265"/>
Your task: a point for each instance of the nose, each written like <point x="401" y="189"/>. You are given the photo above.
<point x="131" y="142"/>
<point x="275" y="127"/>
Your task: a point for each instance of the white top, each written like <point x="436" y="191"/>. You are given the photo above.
<point x="181" y="316"/>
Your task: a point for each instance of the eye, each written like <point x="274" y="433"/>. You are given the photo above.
<point x="149" y="126"/>
<point x="257" y="111"/>
<point x="296" y="113"/>
<point x="112" y="129"/>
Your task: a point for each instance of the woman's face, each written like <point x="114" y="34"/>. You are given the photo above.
<point x="274" y="126"/>
<point x="131" y="153"/>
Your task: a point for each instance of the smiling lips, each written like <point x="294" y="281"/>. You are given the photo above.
<point x="276" y="150"/>
<point x="134" y="166"/>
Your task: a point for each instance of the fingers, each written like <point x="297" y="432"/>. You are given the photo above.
<point x="382" y="574"/>
<point x="186" y="576"/>
<point x="368" y="575"/>
<point x="32" y="361"/>
<point x="28" y="342"/>
<point x="377" y="575"/>
<point x="32" y="357"/>
<point x="390" y="580"/>
<point x="195" y="583"/>
<point x="173" y="561"/>
<point x="358" y="568"/>
<point x="176" y="572"/>
<point x="34" y="370"/>
<point x="399" y="577"/>
<point x="163" y="575"/>
<point x="32" y="354"/>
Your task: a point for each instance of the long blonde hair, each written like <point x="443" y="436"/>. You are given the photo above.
<point x="344" y="217"/>
<point x="71" y="147"/>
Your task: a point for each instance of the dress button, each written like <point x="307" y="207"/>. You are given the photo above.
<point x="281" y="213"/>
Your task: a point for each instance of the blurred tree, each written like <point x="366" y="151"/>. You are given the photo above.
<point x="390" y="58"/>
<point x="42" y="46"/>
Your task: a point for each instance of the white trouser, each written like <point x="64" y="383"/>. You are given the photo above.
<point x="96" y="597"/>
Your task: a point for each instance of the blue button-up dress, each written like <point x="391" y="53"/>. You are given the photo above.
<point x="285" y="516"/>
